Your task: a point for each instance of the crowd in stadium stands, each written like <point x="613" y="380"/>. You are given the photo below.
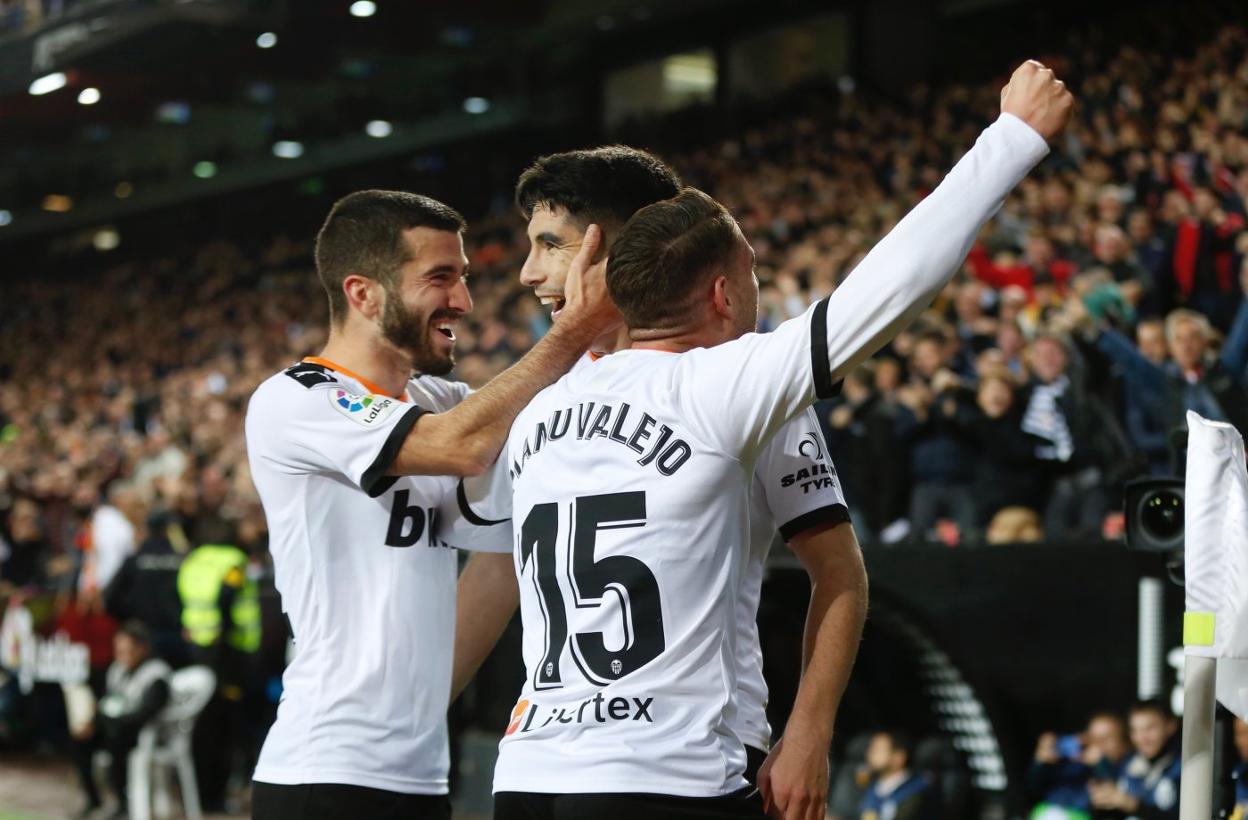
<point x="1117" y="767"/>
<point x="17" y="16"/>
<point x="1104" y="301"/>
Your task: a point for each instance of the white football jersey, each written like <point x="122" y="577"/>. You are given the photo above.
<point x="631" y="486"/>
<point x="368" y="587"/>
<point x="795" y="487"/>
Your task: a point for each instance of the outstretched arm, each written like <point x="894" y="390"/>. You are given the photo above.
<point x="466" y="439"/>
<point x="907" y="269"/>
<point x="771" y="377"/>
<point x="1138" y="369"/>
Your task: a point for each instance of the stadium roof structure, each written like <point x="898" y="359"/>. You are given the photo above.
<point x="118" y="106"/>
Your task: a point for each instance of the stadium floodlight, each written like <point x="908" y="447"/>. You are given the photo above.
<point x="476" y="105"/>
<point x="266" y="40"/>
<point x="106" y="239"/>
<point x="6" y="218"/>
<point x="288" y="149"/>
<point x="205" y="169"/>
<point x="48" y="83"/>
<point x="174" y="112"/>
<point x="89" y="96"/>
<point x="363" y="8"/>
<point x="57" y="203"/>
<point x="379" y="129"/>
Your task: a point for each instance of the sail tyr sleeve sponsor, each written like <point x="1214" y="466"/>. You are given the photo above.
<point x="798" y="479"/>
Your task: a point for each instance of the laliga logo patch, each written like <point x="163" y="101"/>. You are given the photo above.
<point x="353" y="403"/>
<point x="363" y="409"/>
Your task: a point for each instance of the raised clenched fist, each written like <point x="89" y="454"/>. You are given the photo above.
<point x="1038" y="98"/>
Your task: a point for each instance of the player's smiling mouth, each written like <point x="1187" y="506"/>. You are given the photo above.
<point x="446" y="327"/>
<point x="555" y="301"/>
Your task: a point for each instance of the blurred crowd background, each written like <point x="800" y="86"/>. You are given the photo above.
<point x="1104" y="300"/>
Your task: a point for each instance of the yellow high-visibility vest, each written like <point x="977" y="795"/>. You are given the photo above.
<point x="200" y="579"/>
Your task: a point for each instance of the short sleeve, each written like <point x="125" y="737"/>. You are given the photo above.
<point x="477" y="516"/>
<point x="438" y="395"/>
<point x="327" y="429"/>
<point x="799" y="479"/>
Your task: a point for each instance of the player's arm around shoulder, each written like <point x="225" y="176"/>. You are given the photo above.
<point x="477" y="517"/>
<point x="466" y="439"/>
<point x="487" y="598"/>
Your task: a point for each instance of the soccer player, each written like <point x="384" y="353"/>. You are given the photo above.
<point x="795" y="489"/>
<point x="333" y="443"/>
<point x="630" y="484"/>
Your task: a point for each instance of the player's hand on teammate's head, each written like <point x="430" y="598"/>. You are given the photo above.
<point x="1038" y="98"/>
<point x="585" y="291"/>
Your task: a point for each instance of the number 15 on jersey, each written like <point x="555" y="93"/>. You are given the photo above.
<point x="622" y="582"/>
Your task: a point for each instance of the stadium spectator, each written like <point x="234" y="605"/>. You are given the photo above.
<point x="24" y="549"/>
<point x="895" y="791"/>
<point x="1203" y="253"/>
<point x="1082" y="439"/>
<point x="137" y="689"/>
<point x="1148" y="787"/>
<point x="926" y="423"/>
<point x="146" y="589"/>
<point x="1008" y="482"/>
<point x="1065" y="768"/>
<point x="860" y="432"/>
<point x="1240" y="772"/>
<point x="1192" y="379"/>
<point x="107" y="534"/>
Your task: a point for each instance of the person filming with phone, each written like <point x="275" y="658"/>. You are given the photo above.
<point x="1068" y="769"/>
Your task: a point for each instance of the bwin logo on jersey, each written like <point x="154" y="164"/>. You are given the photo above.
<point x="363" y="409"/>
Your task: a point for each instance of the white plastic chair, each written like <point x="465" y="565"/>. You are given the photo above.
<point x="165" y="744"/>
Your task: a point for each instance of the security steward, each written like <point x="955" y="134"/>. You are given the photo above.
<point x="221" y="620"/>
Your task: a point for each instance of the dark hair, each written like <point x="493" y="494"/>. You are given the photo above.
<point x="1157" y="706"/>
<point x="600" y="185"/>
<point x="363" y="234"/>
<point x="136" y="631"/>
<point x="901" y="741"/>
<point x="662" y="255"/>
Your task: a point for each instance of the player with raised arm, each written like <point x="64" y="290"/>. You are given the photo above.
<point x="795" y="489"/>
<point x="630" y="484"/>
<point x="354" y="457"/>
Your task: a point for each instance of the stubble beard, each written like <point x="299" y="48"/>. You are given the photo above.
<point x="410" y="331"/>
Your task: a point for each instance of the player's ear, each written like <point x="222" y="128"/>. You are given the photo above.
<point x="721" y="302"/>
<point x="364" y="295"/>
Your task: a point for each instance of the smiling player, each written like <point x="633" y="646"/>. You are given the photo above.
<point x="352" y="452"/>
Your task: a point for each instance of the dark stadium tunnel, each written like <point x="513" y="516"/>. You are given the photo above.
<point x="902" y="679"/>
